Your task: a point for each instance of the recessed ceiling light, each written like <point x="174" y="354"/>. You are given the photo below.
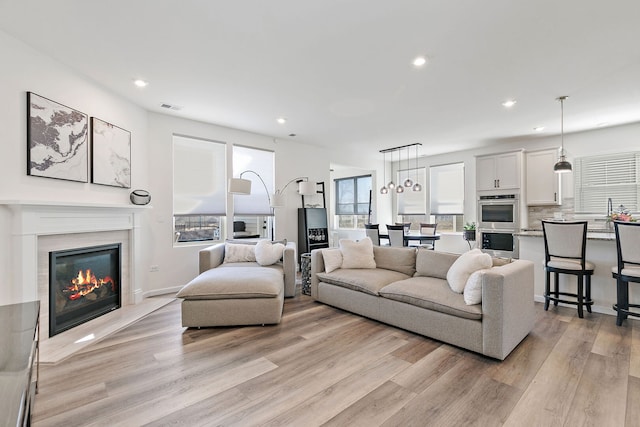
<point x="538" y="128"/>
<point x="140" y="83"/>
<point x="419" y="61"/>
<point x="281" y="120"/>
<point x="509" y="103"/>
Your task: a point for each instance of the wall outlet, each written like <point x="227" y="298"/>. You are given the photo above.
<point x="154" y="268"/>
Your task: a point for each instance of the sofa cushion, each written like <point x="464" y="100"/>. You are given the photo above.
<point x="239" y="253"/>
<point x="433" y="294"/>
<point x="332" y="259"/>
<point x="268" y="253"/>
<point x="248" y="281"/>
<point x="473" y="289"/>
<point x="369" y="281"/>
<point x="357" y="254"/>
<point x="434" y="263"/>
<point x="402" y="260"/>
<point x="464" y="266"/>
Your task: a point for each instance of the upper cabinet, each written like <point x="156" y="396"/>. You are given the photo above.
<point x="499" y="171"/>
<point x="543" y="184"/>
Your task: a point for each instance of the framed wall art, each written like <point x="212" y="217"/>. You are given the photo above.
<point x="110" y="154"/>
<point x="57" y="140"/>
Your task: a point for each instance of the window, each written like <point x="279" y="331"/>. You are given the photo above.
<point x="412" y="202"/>
<point x="446" y="190"/>
<point x="199" y="189"/>
<point x="352" y="201"/>
<point x="598" y="178"/>
<point x="253" y="212"/>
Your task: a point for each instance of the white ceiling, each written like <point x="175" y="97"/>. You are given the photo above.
<point x="340" y="70"/>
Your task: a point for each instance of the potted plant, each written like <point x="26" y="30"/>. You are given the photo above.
<point x="469" y="232"/>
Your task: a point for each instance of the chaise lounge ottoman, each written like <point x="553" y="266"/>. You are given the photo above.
<point x="237" y="293"/>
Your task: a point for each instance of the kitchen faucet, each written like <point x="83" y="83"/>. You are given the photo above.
<point x="609" y="206"/>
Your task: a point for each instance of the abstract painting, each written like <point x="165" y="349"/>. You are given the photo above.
<point x="110" y="154"/>
<point x="57" y="139"/>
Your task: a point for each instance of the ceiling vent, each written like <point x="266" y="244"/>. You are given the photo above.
<point x="171" y="107"/>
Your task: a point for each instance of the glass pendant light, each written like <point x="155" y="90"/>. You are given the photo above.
<point x="391" y="184"/>
<point x="417" y="186"/>
<point x="408" y="182"/>
<point x="562" y="166"/>
<point x="384" y="189"/>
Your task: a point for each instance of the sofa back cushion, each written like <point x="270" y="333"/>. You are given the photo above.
<point x="434" y="263"/>
<point x="357" y="254"/>
<point x="402" y="260"/>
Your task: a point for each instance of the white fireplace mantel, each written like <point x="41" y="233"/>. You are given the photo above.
<point x="31" y="219"/>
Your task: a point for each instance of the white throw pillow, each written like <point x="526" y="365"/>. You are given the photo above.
<point x="357" y="254"/>
<point x="268" y="253"/>
<point x="464" y="266"/>
<point x="332" y="259"/>
<point x="473" y="289"/>
<point x="239" y="253"/>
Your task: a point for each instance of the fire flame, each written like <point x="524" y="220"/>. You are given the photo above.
<point x="86" y="283"/>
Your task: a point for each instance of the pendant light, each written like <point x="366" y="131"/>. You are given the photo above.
<point x="562" y="166"/>
<point x="384" y="189"/>
<point x="391" y="185"/>
<point x="417" y="186"/>
<point x="408" y="182"/>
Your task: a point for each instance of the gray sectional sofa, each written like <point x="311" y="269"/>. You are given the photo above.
<point x="409" y="289"/>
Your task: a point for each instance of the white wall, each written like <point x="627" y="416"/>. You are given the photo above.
<point x="604" y="140"/>
<point x="23" y="70"/>
<point x="179" y="264"/>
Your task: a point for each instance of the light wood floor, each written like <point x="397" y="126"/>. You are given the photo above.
<point x="323" y="366"/>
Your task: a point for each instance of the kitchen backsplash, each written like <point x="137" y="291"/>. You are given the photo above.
<point x="538" y="213"/>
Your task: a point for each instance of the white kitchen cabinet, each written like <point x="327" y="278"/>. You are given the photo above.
<point x="499" y="171"/>
<point x="543" y="184"/>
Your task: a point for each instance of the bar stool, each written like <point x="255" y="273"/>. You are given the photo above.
<point x="565" y="246"/>
<point x="628" y="268"/>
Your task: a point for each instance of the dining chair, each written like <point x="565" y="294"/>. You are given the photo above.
<point x="396" y="235"/>
<point x="428" y="230"/>
<point x="565" y="246"/>
<point x="373" y="232"/>
<point x="628" y="268"/>
<point x="407" y="226"/>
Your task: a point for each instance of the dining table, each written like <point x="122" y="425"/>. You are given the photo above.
<point x="413" y="236"/>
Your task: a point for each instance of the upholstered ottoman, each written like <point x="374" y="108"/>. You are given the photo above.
<point x="234" y="294"/>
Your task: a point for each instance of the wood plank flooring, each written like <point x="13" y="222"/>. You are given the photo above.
<point x="323" y="366"/>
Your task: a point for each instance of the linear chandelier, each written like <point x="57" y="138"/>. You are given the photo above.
<point x="408" y="182"/>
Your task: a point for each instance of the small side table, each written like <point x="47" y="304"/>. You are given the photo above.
<point x="305" y="269"/>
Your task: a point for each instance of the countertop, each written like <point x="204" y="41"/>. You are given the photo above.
<point x="597" y="234"/>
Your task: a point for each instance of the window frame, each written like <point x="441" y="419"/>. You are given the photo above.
<point x="355" y="219"/>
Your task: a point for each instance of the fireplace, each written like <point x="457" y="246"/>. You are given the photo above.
<point x="84" y="283"/>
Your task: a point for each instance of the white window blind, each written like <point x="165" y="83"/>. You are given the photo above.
<point x="412" y="202"/>
<point x="199" y="177"/>
<point x="263" y="163"/>
<point x="598" y="178"/>
<point x="446" y="189"/>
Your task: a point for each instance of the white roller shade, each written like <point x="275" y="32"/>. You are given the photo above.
<point x="412" y="202"/>
<point x="199" y="176"/>
<point x="446" y="189"/>
<point x="263" y="163"/>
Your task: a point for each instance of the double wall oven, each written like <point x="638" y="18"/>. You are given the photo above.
<point x="499" y="219"/>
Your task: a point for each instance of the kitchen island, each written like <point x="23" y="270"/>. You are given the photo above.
<point x="601" y="251"/>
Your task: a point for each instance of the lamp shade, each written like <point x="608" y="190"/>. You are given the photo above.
<point x="277" y="200"/>
<point x="307" y="188"/>
<point x="562" y="166"/>
<point x="239" y="186"/>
